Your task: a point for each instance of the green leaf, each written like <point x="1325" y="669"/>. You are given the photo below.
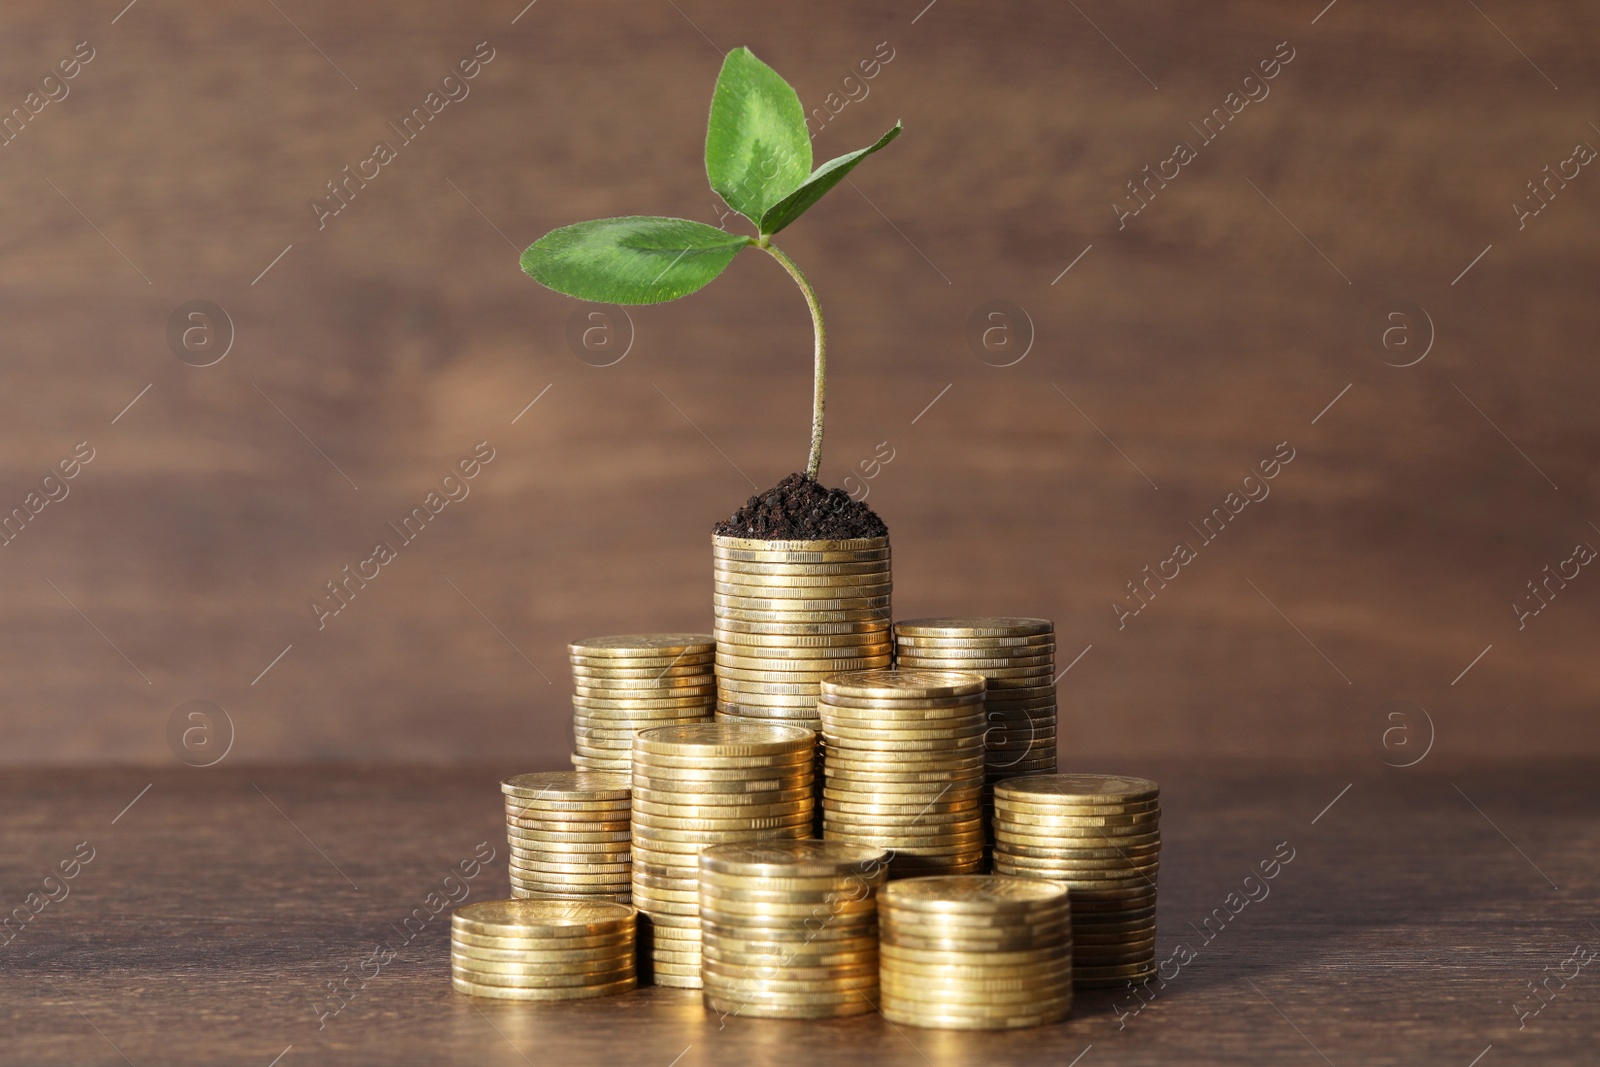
<point x="757" y="147"/>
<point x="636" y="259"/>
<point x="826" y="177"/>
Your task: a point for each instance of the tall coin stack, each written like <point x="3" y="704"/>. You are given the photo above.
<point x="903" y="759"/>
<point x="789" y="929"/>
<point x="568" y="834"/>
<point x="979" y="952"/>
<point x="708" y="784"/>
<point x="1100" y="834"/>
<point x="634" y="682"/>
<point x="1018" y="657"/>
<point x="790" y="613"/>
<point x="543" y="949"/>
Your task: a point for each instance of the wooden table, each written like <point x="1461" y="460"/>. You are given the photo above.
<point x="219" y="906"/>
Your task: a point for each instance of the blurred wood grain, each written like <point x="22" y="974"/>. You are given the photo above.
<point x="1176" y="353"/>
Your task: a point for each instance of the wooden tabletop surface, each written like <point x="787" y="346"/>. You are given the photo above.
<point x="209" y="912"/>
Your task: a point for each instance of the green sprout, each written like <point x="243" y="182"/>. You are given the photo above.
<point x="758" y="159"/>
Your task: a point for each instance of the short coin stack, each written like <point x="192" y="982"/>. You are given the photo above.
<point x="1018" y="657"/>
<point x="1099" y="834"/>
<point x="568" y="834"/>
<point x="790" y="613"/>
<point x="976" y="952"/>
<point x="903" y="759"/>
<point x="789" y="929"/>
<point x="633" y="682"/>
<point x="708" y="784"/>
<point x="543" y="949"/>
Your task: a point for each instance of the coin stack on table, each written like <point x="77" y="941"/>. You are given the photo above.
<point x="708" y="784"/>
<point x="634" y="682"/>
<point x="568" y="834"/>
<point x="790" y="613"/>
<point x="543" y="949"/>
<point x="789" y="929"/>
<point x="903" y="759"/>
<point x="1018" y="657"/>
<point x="1099" y="834"/>
<point x="975" y="952"/>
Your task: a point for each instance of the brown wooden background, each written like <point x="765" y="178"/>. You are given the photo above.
<point x="1197" y="339"/>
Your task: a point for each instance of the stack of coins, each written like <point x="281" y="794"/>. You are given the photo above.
<point x="790" y="613"/>
<point x="1100" y="834"/>
<point x="1018" y="657"/>
<point x="634" y="682"/>
<point x="543" y="949"/>
<point x="789" y="930"/>
<point x="978" y="952"/>
<point x="568" y="833"/>
<point x="708" y="784"/>
<point x="903" y="758"/>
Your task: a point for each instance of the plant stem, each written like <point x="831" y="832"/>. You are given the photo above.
<point x="819" y="371"/>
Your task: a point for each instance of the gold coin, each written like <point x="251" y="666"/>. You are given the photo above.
<point x="905" y="684"/>
<point x="735" y="561"/>
<point x="1033" y="665"/>
<point x="1005" y="691"/>
<point x="651" y="661"/>
<point x="745" y="584"/>
<point x="916" y="787"/>
<point x="703" y="687"/>
<point x="985" y="626"/>
<point x="645" y="672"/>
<point x="641" y="644"/>
<point x="729" y="614"/>
<point x="982" y="895"/>
<point x="642" y="704"/>
<point x="539" y="821"/>
<point x="784" y="675"/>
<point x="723" y="543"/>
<point x="792" y="860"/>
<point x="989" y="992"/>
<point x="566" y="785"/>
<point x="1014" y="961"/>
<point x="875" y="627"/>
<point x="523" y="918"/>
<point x="978" y="940"/>
<point x="564" y="957"/>
<point x="725" y="805"/>
<point x="689" y="842"/>
<point x="901" y="707"/>
<point x="732" y="909"/>
<point x="854" y="648"/>
<point x="846" y="984"/>
<point x="722" y="740"/>
<point x="472" y="988"/>
<point x="598" y="844"/>
<point x="797" y="644"/>
<point x="982" y="648"/>
<point x="776" y="600"/>
<point x="1109" y="866"/>
<point x="778" y="954"/>
<point x="787" y="814"/>
<point x="1121" y="970"/>
<point x="859" y="765"/>
<point x="543" y="949"/>
<point x="798" y="695"/>
<point x="850" y="732"/>
<point x="972" y="966"/>
<point x="595" y="970"/>
<point x="758" y="773"/>
<point x="1014" y="798"/>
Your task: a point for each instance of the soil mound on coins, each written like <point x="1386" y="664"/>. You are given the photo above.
<point x="798" y="509"/>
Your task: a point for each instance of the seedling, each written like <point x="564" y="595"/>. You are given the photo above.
<point x="758" y="159"/>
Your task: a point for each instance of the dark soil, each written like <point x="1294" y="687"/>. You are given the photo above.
<point x="798" y="509"/>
